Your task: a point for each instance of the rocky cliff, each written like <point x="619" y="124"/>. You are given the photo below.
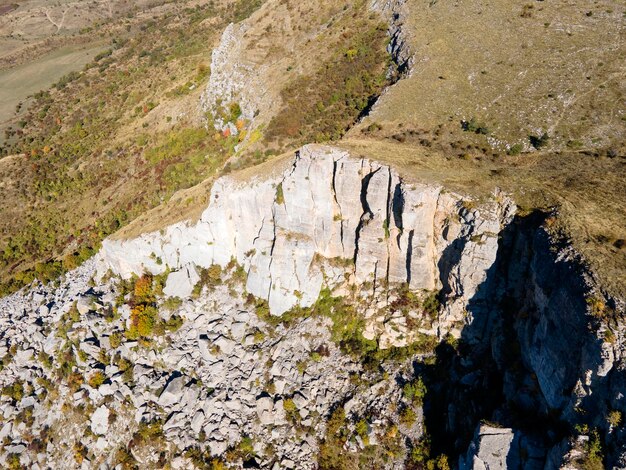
<point x="327" y="305"/>
<point x="328" y="220"/>
<point x="545" y="362"/>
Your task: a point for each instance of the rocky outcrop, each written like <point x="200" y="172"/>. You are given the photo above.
<point x="248" y="65"/>
<point x="329" y="219"/>
<point x="232" y="80"/>
<point x="395" y="11"/>
<point x="495" y="448"/>
<point x="546" y="359"/>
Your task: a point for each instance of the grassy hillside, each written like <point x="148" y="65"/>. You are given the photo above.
<point x="519" y="68"/>
<point x="26" y="79"/>
<point x="528" y="96"/>
<point x="105" y="144"/>
<point x="42" y="40"/>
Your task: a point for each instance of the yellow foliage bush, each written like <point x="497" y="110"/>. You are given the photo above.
<point x="143" y="289"/>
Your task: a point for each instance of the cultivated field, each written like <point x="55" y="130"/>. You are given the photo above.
<point x="17" y="83"/>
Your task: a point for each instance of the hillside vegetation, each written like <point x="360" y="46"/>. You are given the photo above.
<point x="105" y="144"/>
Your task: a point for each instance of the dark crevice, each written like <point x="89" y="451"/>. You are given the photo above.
<point x="398" y="206"/>
<point x="334" y="188"/>
<point x="449" y="259"/>
<point x="367" y="212"/>
<point x="409" y="255"/>
<point x="396" y="44"/>
<point x="269" y="268"/>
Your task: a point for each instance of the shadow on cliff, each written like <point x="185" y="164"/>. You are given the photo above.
<point x="488" y="374"/>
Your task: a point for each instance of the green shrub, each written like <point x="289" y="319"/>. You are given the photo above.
<point x="149" y="432"/>
<point x="474" y="126"/>
<point x="614" y="418"/>
<point x="415" y="391"/>
<point x="362" y="429"/>
<point x="331" y="454"/>
<point x="15" y="391"/>
<point x="440" y="463"/>
<point x="174" y="323"/>
<point x="45" y="360"/>
<point x="315" y="356"/>
<point x="235" y="112"/>
<point x="96" y="379"/>
<point x="243" y="451"/>
<point x="280" y="197"/>
<point x="115" y="339"/>
<point x="13" y="462"/>
<point x="593" y="458"/>
<point x="291" y="410"/>
<point x="143" y="319"/>
<point x="431" y="304"/>
<point x="172" y="303"/>
<point x="408" y="417"/>
<point x="515" y="149"/>
<point x="210" y="277"/>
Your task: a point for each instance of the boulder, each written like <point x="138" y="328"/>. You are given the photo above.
<point x="489" y="449"/>
<point x="181" y="283"/>
<point x="100" y="421"/>
<point x="83" y="304"/>
<point x="496" y="448"/>
<point x="265" y="410"/>
<point x="173" y="391"/>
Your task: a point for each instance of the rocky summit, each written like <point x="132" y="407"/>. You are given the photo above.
<point x="330" y="235"/>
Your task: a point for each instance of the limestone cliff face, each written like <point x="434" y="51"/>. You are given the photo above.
<point x="329" y="219"/>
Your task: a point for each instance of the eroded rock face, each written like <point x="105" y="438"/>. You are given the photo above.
<point x="231" y="79"/>
<point x="396" y="13"/>
<point x="329" y="219"/>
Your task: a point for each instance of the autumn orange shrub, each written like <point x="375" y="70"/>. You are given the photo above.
<point x="143" y="290"/>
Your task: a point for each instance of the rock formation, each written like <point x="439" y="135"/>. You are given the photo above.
<point x="328" y="219"/>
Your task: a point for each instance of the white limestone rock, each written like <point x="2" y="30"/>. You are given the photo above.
<point x="265" y="410"/>
<point x="489" y="449"/>
<point x="295" y="227"/>
<point x="100" y="421"/>
<point x="173" y="392"/>
<point x="181" y="283"/>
